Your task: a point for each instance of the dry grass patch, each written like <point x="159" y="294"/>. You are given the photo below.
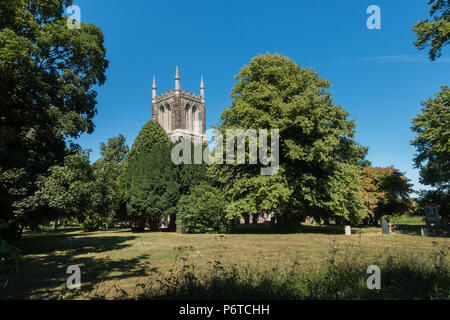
<point x="119" y="257"/>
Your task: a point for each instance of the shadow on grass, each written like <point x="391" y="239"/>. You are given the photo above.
<point x="43" y="273"/>
<point x="414" y="230"/>
<point x="404" y="276"/>
<point x="296" y="228"/>
<point x="252" y="229"/>
<point x="406" y="229"/>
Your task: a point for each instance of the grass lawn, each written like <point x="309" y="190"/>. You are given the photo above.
<point x="118" y="257"/>
<point x="408" y="220"/>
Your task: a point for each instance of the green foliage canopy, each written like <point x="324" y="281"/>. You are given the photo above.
<point x="386" y="191"/>
<point x="190" y="175"/>
<point x="316" y="140"/>
<point x="202" y="211"/>
<point x="152" y="188"/>
<point x="150" y="134"/>
<point x="432" y="144"/>
<point x="433" y="140"/>
<point x="436" y="33"/>
<point x="80" y="190"/>
<point x="47" y="75"/>
<point x="106" y="197"/>
<point x="115" y="150"/>
<point x="150" y="181"/>
<point x="69" y="188"/>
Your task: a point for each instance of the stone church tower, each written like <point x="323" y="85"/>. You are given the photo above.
<point x="180" y="113"/>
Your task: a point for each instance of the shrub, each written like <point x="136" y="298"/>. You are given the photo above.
<point x="203" y="211"/>
<point x="96" y="222"/>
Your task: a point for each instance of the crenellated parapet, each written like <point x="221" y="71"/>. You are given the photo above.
<point x="164" y="96"/>
<point x="192" y="96"/>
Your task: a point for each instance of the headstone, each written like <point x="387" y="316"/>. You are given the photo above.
<point x="385" y="226"/>
<point x="424" y="232"/>
<point x="432" y="215"/>
<point x="348" y="231"/>
<point x="273" y="220"/>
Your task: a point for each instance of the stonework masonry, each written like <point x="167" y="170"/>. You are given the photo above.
<point x="180" y="113"/>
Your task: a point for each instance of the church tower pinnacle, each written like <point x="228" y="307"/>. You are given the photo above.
<point x="154" y="89"/>
<point x="177" y="83"/>
<point x="202" y="89"/>
<point x="182" y="114"/>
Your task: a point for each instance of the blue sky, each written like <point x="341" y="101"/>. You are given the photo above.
<point x="377" y="75"/>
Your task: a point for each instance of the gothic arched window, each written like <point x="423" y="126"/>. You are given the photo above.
<point x="161" y="116"/>
<point x="168" y="118"/>
<point x="194" y="117"/>
<point x="187" y="117"/>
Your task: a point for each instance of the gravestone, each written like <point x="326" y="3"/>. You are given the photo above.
<point x="348" y="231"/>
<point x="273" y="220"/>
<point x="424" y="232"/>
<point x="432" y="215"/>
<point x="309" y="220"/>
<point x="385" y="226"/>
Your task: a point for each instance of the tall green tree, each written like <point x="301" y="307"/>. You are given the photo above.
<point x="68" y="189"/>
<point x="385" y="191"/>
<point x="108" y="197"/>
<point x="135" y="187"/>
<point x="316" y="139"/>
<point x="434" y="34"/>
<point x="432" y="140"/>
<point x="47" y="76"/>
<point x="150" y="134"/>
<point x="432" y="145"/>
<point x="77" y="189"/>
<point x="150" y="178"/>
<point x="108" y="207"/>
<point x="431" y="126"/>
<point x="115" y="150"/>
<point x="153" y="190"/>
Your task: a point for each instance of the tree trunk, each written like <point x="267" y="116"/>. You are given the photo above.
<point x="154" y="224"/>
<point x="286" y="218"/>
<point x="138" y="226"/>
<point x="21" y="231"/>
